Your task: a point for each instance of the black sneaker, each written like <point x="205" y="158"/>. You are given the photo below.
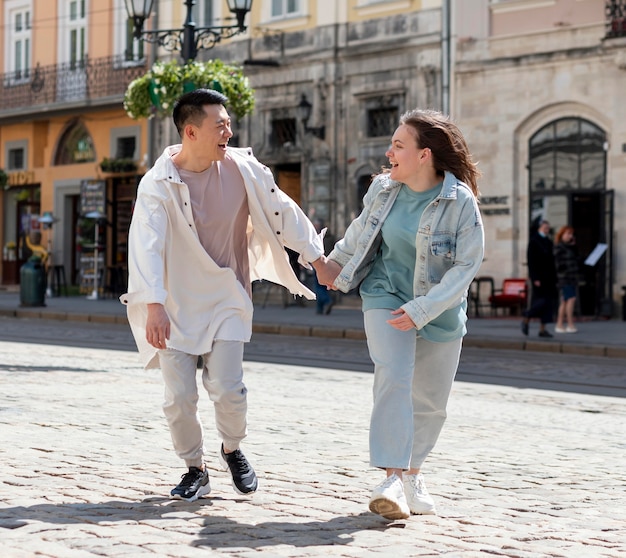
<point x="545" y="333"/>
<point x="244" y="477"/>
<point x="195" y="484"/>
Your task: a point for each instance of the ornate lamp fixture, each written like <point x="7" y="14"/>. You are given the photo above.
<point x="303" y="111"/>
<point x="190" y="38"/>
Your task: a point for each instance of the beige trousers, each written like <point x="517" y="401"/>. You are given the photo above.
<point x="222" y="377"/>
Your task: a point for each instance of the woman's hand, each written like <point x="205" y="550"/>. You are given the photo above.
<point x="402" y="322"/>
<point x="326" y="271"/>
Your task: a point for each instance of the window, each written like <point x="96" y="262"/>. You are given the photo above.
<point x="75" y="146"/>
<point x="126" y="147"/>
<point x="381" y="122"/>
<point x="16" y="159"/>
<point x="568" y="154"/>
<point x="16" y="155"/>
<point x="18" y="39"/>
<point x="74" y="33"/>
<point x="285" y="8"/>
<point x="203" y="13"/>
<point x="283" y="132"/>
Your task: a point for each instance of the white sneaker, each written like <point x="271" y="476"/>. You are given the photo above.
<point x="560" y="329"/>
<point x="420" y="502"/>
<point x="388" y="499"/>
<point x="571" y="330"/>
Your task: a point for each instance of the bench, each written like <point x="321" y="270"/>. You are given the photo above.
<point x="512" y="296"/>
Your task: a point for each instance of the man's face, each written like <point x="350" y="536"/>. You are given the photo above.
<point x="214" y="132"/>
<point x="544" y="228"/>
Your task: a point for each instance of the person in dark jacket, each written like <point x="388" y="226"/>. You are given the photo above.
<point x="543" y="280"/>
<point x="566" y="261"/>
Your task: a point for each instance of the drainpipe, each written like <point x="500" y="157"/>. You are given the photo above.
<point x="445" y="56"/>
<point x="152" y="122"/>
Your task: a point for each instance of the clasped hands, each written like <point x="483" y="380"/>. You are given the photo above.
<point x="328" y="270"/>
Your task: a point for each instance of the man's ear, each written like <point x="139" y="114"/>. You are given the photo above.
<point x="190" y="132"/>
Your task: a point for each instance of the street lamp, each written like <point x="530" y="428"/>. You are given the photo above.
<point x="303" y="111"/>
<point x="190" y="38"/>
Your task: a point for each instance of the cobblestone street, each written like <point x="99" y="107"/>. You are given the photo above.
<point x="86" y="466"/>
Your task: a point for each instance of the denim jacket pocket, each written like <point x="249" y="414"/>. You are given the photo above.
<point x="442" y="255"/>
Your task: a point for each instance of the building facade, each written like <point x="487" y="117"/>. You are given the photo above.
<point x="538" y="87"/>
<point x="65" y="68"/>
<point x="535" y="85"/>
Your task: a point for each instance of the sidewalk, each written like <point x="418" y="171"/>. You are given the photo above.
<point x="594" y="338"/>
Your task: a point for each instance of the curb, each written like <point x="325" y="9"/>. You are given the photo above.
<point x="357" y="334"/>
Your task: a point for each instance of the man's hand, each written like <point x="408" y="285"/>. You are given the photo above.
<point x="326" y="271"/>
<point x="157" y="326"/>
<point x="402" y="322"/>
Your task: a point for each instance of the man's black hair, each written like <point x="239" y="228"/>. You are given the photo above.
<point x="190" y="106"/>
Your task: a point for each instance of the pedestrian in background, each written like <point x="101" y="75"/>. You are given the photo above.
<point x="542" y="273"/>
<point x="414" y="249"/>
<point x="323" y="299"/>
<point x="567" y="263"/>
<point x="208" y="220"/>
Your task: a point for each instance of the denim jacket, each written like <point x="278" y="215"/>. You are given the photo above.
<point x="449" y="246"/>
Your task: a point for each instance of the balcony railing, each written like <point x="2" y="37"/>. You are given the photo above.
<point x="91" y="81"/>
<point x="615" y="18"/>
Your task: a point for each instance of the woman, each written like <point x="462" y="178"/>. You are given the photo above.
<point x="566" y="262"/>
<point x="415" y="249"/>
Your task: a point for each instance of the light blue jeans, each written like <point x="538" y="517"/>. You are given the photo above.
<point x="412" y="382"/>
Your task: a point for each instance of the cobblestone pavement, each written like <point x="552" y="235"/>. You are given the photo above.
<point x="86" y="466"/>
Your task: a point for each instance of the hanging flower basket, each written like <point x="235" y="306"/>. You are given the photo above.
<point x="155" y="93"/>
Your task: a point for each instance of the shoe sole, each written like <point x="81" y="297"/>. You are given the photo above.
<point x="232" y="482"/>
<point x="388" y="509"/>
<point x="424" y="512"/>
<point x="202" y="491"/>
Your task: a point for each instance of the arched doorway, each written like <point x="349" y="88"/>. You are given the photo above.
<point x="567" y="175"/>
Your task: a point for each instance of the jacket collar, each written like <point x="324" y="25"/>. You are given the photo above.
<point x="448" y="191"/>
<point x="165" y="169"/>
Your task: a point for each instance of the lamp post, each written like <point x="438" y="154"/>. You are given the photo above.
<point x="190" y="38"/>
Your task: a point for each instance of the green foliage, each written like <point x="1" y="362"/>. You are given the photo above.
<point x="156" y="92"/>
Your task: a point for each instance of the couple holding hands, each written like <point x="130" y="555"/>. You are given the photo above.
<point x="209" y="219"/>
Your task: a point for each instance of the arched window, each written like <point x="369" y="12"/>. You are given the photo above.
<point x="75" y="146"/>
<point x="568" y="154"/>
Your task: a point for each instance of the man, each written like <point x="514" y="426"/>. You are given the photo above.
<point x="542" y="274"/>
<point x="208" y="220"/>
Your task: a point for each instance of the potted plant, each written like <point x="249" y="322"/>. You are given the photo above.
<point x="155" y="93"/>
<point x="118" y="165"/>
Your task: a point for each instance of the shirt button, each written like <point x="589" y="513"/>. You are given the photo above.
<point x="272" y="190"/>
<point x="276" y="213"/>
<point x="277" y="232"/>
<point x="427" y="227"/>
<point x="422" y="258"/>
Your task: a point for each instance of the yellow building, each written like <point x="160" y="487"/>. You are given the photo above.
<point x="65" y="68"/>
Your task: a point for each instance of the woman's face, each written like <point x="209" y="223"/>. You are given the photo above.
<point x="404" y="155"/>
<point x="567" y="236"/>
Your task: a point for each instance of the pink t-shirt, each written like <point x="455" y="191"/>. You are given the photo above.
<point x="220" y="211"/>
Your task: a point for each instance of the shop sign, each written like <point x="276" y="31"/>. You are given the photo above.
<point x="20" y="178"/>
<point x="92" y="196"/>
